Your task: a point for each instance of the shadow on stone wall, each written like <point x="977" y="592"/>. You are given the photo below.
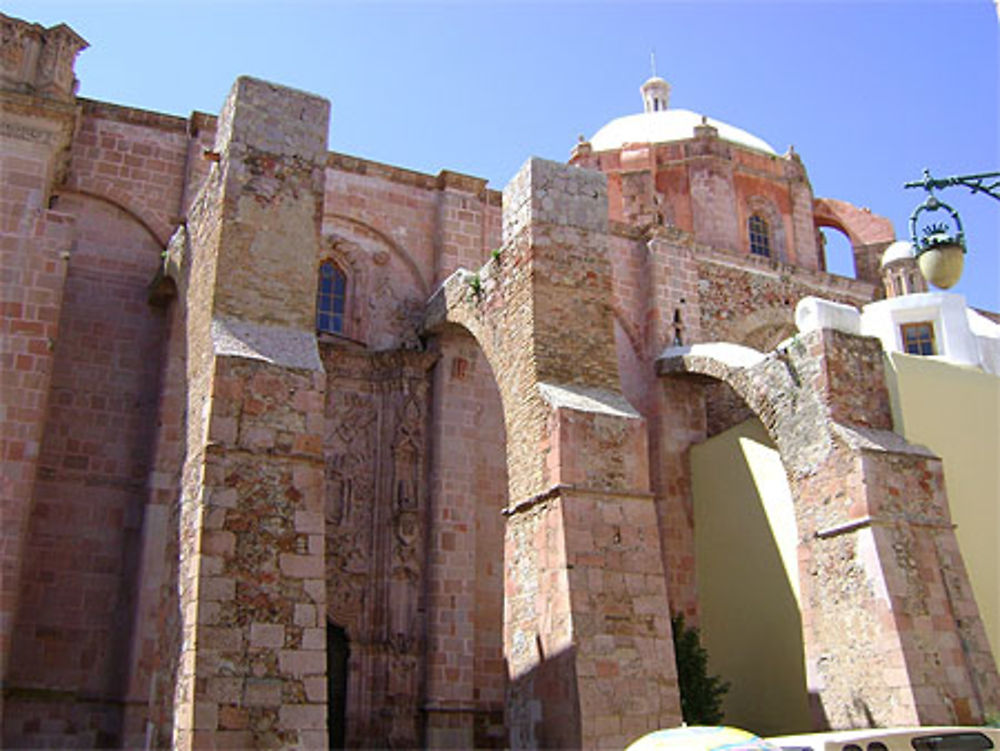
<point x="543" y="704"/>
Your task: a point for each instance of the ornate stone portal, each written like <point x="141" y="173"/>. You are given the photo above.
<point x="375" y="455"/>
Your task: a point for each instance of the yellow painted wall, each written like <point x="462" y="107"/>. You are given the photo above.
<point x="955" y="412"/>
<point x="748" y="579"/>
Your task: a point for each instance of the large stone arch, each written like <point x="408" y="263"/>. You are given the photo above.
<point x="870" y="234"/>
<point x="763" y="329"/>
<point x="586" y="620"/>
<point x="104" y="261"/>
<point x="885" y="598"/>
<point x="386" y="290"/>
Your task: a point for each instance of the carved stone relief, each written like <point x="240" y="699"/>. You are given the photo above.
<point x="349" y="446"/>
<point x="376" y="505"/>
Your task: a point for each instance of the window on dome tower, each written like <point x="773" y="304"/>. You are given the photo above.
<point x="331" y="295"/>
<point x="760" y="238"/>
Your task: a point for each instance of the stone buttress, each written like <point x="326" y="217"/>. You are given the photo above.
<point x="252" y="661"/>
<point x="891" y="630"/>
<point x="586" y="625"/>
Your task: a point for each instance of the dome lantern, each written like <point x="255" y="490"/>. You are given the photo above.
<point x="655" y="94"/>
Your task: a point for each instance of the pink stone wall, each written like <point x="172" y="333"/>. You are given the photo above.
<point x="434" y="225"/>
<point x="156" y="642"/>
<point x="135" y="159"/>
<point x="465" y="668"/>
<point x="78" y="587"/>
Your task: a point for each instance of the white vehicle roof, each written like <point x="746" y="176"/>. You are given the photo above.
<point x="894" y="739"/>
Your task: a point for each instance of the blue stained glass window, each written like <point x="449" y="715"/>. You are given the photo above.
<point x="331" y="296"/>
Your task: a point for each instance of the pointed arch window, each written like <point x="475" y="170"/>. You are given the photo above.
<point x="331" y="299"/>
<point x="760" y="236"/>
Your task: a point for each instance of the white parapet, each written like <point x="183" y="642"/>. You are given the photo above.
<point x="960" y="335"/>
<point x="814" y="313"/>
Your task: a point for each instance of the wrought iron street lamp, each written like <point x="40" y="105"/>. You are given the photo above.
<point x="941" y="253"/>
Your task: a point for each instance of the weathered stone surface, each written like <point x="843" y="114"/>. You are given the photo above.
<point x="253" y="445"/>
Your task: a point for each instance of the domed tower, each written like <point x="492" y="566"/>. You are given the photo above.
<point x="723" y="185"/>
<point x="900" y="273"/>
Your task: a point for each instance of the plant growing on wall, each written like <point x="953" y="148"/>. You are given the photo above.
<point x="476" y="285"/>
<point x="701" y="693"/>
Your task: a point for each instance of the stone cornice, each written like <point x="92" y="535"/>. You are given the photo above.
<point x="444" y="180"/>
<point x="13" y="103"/>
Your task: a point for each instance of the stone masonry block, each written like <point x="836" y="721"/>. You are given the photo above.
<point x="301" y="566"/>
<point x="553" y="193"/>
<point x="309" y="522"/>
<point x="302" y="716"/>
<point x="305" y="615"/>
<point x="262" y="692"/>
<point x="274" y="119"/>
<point x="206" y="716"/>
<point x="270" y="635"/>
<point x="299" y="663"/>
<point x="316" y="689"/>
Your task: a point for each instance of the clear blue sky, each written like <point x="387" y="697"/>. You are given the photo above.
<point x="869" y="93"/>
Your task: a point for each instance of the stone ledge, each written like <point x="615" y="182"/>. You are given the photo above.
<point x="880" y="441"/>
<point x="277" y="345"/>
<point x="561" y="488"/>
<point x="853" y="525"/>
<point x="587" y="399"/>
<point x="135" y="116"/>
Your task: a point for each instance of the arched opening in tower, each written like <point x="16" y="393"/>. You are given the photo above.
<point x="837" y="252"/>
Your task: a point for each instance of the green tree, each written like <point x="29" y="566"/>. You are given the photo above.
<point x="701" y="693"/>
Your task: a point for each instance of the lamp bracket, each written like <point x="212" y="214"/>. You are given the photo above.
<point x="984" y="182"/>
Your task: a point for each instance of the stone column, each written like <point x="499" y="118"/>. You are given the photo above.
<point x="586" y="621"/>
<point x="252" y="590"/>
<point x="460" y="223"/>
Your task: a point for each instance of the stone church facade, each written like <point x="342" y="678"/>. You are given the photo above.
<point x="303" y="450"/>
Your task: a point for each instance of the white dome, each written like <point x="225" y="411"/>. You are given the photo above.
<point x="898" y="251"/>
<point x="668" y="125"/>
